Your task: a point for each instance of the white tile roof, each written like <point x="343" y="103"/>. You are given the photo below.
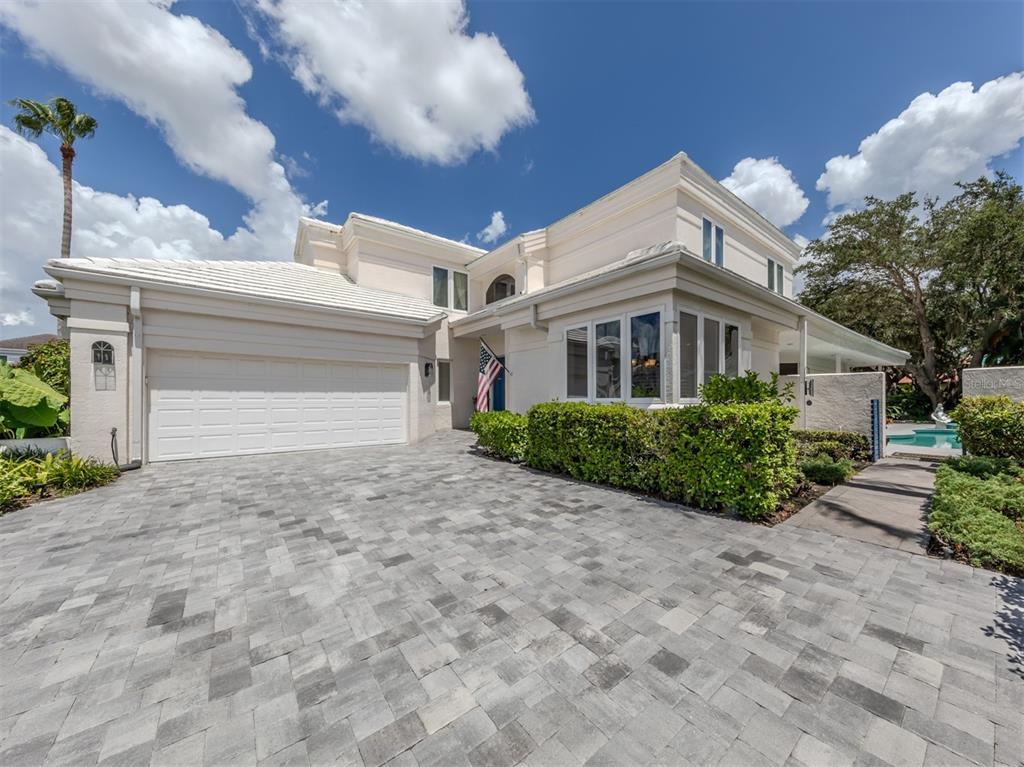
<point x="279" y="281"/>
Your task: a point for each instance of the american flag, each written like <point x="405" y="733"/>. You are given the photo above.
<point x="489" y="369"/>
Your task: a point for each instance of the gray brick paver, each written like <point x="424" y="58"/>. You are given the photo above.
<point x="424" y="605"/>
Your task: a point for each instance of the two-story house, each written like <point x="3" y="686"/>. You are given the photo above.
<point x="371" y="335"/>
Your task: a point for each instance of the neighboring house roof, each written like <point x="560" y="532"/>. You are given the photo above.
<point x="24" y="342"/>
<point x="666" y="253"/>
<point x="282" y="282"/>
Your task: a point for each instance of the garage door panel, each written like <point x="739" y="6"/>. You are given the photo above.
<point x="218" y="405"/>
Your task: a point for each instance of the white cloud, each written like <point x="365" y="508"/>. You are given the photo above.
<point x="410" y="73"/>
<point x="104" y="225"/>
<point x="493" y="230"/>
<point x="181" y="76"/>
<point x="768" y="187"/>
<point x="13" y="319"/>
<point x="935" y="142"/>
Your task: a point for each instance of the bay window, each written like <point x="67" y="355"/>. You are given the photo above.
<point x="608" y="360"/>
<point x="645" y="356"/>
<point x="577" y="361"/>
<point x="707" y="346"/>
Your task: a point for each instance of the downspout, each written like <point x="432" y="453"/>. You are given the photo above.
<point x="135" y="377"/>
<point x="802" y="371"/>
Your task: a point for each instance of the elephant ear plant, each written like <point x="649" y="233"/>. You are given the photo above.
<point x="28" y="406"/>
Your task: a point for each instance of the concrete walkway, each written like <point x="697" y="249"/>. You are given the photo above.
<point x="887" y="504"/>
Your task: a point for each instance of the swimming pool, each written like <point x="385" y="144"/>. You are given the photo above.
<point x="935" y="437"/>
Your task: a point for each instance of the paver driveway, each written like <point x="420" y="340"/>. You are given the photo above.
<point x="425" y="606"/>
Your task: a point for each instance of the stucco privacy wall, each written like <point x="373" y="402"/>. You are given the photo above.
<point x="840" y="401"/>
<point x="1002" y="380"/>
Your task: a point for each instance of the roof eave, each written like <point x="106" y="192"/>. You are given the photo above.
<point x="97" y="275"/>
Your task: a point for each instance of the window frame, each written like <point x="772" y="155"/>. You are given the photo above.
<point x="717" y="255"/>
<point x="586" y="326"/>
<point x="722" y="320"/>
<point x="625" y="357"/>
<point x="437" y="367"/>
<point x="451" y="271"/>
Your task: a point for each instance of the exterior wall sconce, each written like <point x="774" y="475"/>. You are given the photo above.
<point x="428" y="369"/>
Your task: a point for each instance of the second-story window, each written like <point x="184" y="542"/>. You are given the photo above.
<point x="451" y="289"/>
<point x="714" y="243"/>
<point x="776" y="276"/>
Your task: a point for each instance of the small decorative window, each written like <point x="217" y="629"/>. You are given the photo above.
<point x="102" y="353"/>
<point x="713" y="243"/>
<point x="503" y="286"/>
<point x="444" y="381"/>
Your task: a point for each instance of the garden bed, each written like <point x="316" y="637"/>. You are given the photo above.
<point x="29" y="477"/>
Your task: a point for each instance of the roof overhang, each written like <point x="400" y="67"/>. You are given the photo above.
<point x="111" y="277"/>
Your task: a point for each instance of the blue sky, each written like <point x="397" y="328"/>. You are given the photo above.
<point x="607" y="91"/>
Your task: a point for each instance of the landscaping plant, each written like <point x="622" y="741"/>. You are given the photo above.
<point x="980" y="518"/>
<point x="29" y="407"/>
<point x="737" y="390"/>
<point x="991" y="426"/>
<point x="28" y="475"/>
<point x="837" y="444"/>
<point x="501" y="432"/>
<point x="50" y="363"/>
<point x="826" y="470"/>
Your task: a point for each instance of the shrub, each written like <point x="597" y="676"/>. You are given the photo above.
<point x="984" y="467"/>
<point x="981" y="519"/>
<point x="905" y="402"/>
<point x="501" y="432"/>
<point x="825" y="470"/>
<point x="50" y="363"/>
<point x="838" y="444"/>
<point x="727" y="456"/>
<point x="746" y="389"/>
<point x="25" y="475"/>
<point x="991" y="426"/>
<point x="610" y="444"/>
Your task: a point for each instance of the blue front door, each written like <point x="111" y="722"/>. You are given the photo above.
<point x="498" y="388"/>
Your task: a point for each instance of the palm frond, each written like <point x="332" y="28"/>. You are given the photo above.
<point x="84" y="126"/>
<point x="34" y="119"/>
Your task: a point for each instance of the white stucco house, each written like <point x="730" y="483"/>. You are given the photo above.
<point x="371" y="334"/>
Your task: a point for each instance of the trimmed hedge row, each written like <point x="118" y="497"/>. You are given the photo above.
<point x="991" y="426"/>
<point x="736" y="456"/>
<point x="980" y="518"/>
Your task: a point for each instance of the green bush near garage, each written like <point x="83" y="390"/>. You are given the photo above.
<point x="28" y="476"/>
<point x="501" y="433"/>
<point x="836" y="444"/>
<point x="980" y="514"/>
<point x="991" y="426"/>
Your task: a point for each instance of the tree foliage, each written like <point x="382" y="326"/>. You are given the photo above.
<point x="945" y="282"/>
<point x="51" y="363"/>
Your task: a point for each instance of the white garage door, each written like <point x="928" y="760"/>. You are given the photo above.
<point x="214" y="405"/>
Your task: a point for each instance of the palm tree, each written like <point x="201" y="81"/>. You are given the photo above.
<point x="62" y="119"/>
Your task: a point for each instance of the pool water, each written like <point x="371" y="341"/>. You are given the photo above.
<point x="947" y="438"/>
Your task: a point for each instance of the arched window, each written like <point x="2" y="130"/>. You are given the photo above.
<point x="102" y="353"/>
<point x="503" y="286"/>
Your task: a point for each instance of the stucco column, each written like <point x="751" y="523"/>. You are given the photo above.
<point x="802" y="372"/>
<point x="670" y="329"/>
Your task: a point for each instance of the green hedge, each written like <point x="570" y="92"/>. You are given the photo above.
<point x="826" y="470"/>
<point x="608" y="444"/>
<point x="991" y="426"/>
<point x="737" y="456"/>
<point x="981" y="519"/>
<point x="836" y="444"/>
<point x="501" y="432"/>
<point x="727" y="456"/>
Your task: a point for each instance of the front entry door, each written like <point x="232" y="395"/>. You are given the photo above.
<point x="498" y="388"/>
